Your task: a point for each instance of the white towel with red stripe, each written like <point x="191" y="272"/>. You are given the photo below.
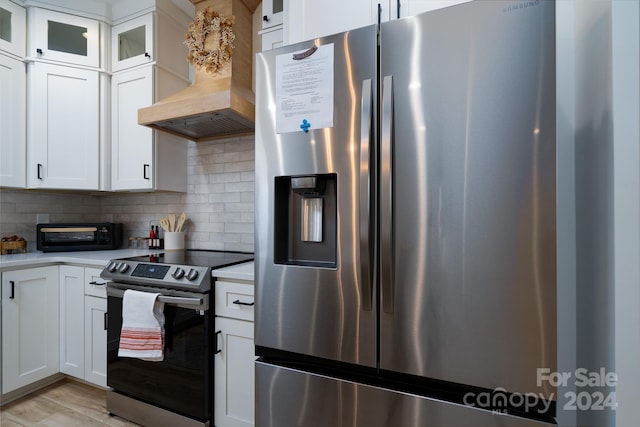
<point x="142" y="333"/>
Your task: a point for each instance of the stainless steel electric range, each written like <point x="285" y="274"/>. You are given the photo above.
<point x="179" y="389"/>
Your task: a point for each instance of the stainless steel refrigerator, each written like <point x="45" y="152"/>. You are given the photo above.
<point x="405" y="223"/>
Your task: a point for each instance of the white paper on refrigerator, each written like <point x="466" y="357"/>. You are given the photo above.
<point x="304" y="91"/>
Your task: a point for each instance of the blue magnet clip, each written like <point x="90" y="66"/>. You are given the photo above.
<point x="305" y="125"/>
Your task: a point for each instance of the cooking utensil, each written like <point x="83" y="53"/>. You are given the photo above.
<point x="172" y="221"/>
<point x="164" y="223"/>
<point x="181" y="220"/>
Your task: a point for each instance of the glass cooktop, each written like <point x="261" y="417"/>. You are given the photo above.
<point x="196" y="257"/>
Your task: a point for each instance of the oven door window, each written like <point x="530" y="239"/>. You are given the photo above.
<point x="182" y="382"/>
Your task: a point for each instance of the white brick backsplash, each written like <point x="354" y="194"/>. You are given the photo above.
<point x="219" y="202"/>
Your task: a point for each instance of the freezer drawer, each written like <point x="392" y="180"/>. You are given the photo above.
<point x="287" y="397"/>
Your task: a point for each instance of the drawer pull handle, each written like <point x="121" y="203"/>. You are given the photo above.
<point x="238" y="302"/>
<point x="218" y="349"/>
<point x="97" y="283"/>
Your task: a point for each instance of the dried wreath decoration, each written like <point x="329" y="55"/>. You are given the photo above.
<point x="210" y="40"/>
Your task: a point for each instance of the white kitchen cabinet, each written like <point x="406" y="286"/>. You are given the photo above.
<point x="30" y="343"/>
<point x="95" y="339"/>
<point x="234" y="362"/>
<point x="272" y="39"/>
<point x="143" y="158"/>
<point x="414" y="7"/>
<point x="95" y="324"/>
<point x="13" y="126"/>
<point x="13" y="27"/>
<point x="83" y="336"/>
<point x="72" y="320"/>
<point x="63" y="136"/>
<point x="272" y="13"/>
<point x="132" y="43"/>
<point x="309" y="19"/>
<point x="62" y="37"/>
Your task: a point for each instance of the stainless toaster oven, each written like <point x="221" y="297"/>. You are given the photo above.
<point x="93" y="236"/>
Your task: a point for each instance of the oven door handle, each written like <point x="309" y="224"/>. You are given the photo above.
<point x="180" y="300"/>
<point x="162" y="298"/>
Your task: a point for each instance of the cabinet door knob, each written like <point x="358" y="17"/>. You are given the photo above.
<point x="39" y="51"/>
<point x="265" y="18"/>
<point x="146" y="55"/>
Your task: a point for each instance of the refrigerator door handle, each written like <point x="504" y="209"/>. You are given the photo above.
<point x="386" y="202"/>
<point x="365" y="194"/>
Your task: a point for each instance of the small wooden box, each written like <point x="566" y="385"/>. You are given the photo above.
<point x="20" y="245"/>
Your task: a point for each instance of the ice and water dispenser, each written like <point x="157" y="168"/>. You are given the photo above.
<point x="305" y="220"/>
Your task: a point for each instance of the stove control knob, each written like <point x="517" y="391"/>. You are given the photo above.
<point x="193" y="275"/>
<point x="178" y="274"/>
<point x="123" y="267"/>
<point x="112" y="267"/>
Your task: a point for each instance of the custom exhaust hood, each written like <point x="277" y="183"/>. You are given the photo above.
<point x="217" y="104"/>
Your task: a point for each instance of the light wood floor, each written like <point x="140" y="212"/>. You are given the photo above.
<point x="66" y="403"/>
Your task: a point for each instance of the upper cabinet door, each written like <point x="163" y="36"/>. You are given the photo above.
<point x="307" y="19"/>
<point x="13" y="27"/>
<point x="132" y="145"/>
<point x="415" y="7"/>
<point x="132" y="43"/>
<point x="63" y="127"/>
<point x="65" y="38"/>
<point x="13" y="122"/>
<point x="272" y="11"/>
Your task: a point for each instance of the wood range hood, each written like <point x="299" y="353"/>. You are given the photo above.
<point x="215" y="105"/>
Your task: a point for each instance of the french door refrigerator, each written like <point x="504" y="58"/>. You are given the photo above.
<point x="405" y="223"/>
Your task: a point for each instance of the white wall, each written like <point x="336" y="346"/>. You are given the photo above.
<point x="626" y="158"/>
<point x="599" y="203"/>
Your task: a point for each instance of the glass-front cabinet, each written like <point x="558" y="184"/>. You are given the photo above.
<point x="64" y="38"/>
<point x="13" y="24"/>
<point x="272" y="13"/>
<point x="132" y="43"/>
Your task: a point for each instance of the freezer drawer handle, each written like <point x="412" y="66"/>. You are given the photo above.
<point x="238" y="302"/>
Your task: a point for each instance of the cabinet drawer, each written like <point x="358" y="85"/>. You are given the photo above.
<point x="234" y="300"/>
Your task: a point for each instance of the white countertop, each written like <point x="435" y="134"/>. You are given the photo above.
<point x="99" y="259"/>
<point x="242" y="271"/>
<point x="88" y="258"/>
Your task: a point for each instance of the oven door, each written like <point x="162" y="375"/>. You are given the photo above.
<point x="182" y="382"/>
